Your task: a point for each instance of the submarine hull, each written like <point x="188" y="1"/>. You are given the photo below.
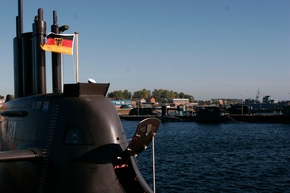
<point x="80" y="137"/>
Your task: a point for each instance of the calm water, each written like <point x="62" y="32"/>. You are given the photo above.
<point x="235" y="157"/>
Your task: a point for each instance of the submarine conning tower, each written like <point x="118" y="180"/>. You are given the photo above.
<point x="30" y="59"/>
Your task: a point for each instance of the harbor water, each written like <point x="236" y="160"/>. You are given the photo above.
<point x="232" y="157"/>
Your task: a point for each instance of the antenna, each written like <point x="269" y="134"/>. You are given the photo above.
<point x="56" y="61"/>
<point x="258" y="94"/>
<point x="19" y="19"/>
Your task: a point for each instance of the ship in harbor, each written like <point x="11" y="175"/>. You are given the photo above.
<point x="267" y="111"/>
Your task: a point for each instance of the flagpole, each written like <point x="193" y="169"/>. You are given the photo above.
<point x="77" y="56"/>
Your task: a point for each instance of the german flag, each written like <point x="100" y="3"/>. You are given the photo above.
<point x="60" y="43"/>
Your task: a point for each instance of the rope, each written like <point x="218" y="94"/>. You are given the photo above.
<point x="153" y="163"/>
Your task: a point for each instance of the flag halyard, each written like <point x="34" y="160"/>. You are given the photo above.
<point x="60" y="43"/>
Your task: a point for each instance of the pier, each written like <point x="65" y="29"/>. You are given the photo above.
<point x="210" y="114"/>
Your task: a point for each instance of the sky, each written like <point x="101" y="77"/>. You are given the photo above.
<point x="204" y="48"/>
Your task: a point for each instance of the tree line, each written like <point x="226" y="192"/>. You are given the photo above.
<point x="160" y="95"/>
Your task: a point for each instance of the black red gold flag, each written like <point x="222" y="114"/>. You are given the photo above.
<point x="60" y="43"/>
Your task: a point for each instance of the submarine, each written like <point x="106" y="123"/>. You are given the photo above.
<point x="68" y="141"/>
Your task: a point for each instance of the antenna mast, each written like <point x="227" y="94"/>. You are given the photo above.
<point x="258" y="95"/>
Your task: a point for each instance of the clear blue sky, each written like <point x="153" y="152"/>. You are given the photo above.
<point x="205" y="48"/>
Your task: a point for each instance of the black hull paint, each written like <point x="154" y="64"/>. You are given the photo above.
<point x="80" y="138"/>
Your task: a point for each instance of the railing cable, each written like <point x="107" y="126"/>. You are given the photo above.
<point x="153" y="163"/>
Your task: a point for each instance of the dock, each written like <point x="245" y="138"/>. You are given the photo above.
<point x="222" y="119"/>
